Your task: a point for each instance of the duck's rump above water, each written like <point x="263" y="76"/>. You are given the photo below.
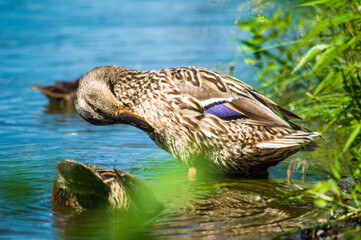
<point x="64" y="91"/>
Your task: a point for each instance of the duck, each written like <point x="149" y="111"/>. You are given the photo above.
<point x="211" y="122"/>
<point x="60" y="91"/>
<point x="83" y="187"/>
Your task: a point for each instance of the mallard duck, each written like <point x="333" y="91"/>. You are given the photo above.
<point x="64" y="91"/>
<point x="212" y="122"/>
<point x="83" y="187"/>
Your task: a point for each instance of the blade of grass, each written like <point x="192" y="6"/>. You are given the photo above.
<point x="333" y="21"/>
<point x="352" y="137"/>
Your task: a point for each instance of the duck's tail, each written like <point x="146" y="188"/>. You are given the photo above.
<point x="299" y="139"/>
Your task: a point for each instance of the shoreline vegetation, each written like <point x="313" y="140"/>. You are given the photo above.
<point x="307" y="55"/>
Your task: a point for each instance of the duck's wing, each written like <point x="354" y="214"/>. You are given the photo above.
<point x="229" y="98"/>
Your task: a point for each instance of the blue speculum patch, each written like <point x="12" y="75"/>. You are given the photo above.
<point x="224" y="112"/>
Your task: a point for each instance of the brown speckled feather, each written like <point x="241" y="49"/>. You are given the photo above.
<point x="207" y="120"/>
<point x="209" y="86"/>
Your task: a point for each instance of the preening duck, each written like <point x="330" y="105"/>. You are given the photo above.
<point x="209" y="121"/>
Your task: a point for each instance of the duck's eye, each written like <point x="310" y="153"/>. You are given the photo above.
<point x="96" y="109"/>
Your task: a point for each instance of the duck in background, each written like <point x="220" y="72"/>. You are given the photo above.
<point x="61" y="91"/>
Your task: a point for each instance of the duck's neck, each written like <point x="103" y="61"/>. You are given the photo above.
<point x="169" y="132"/>
<point x="151" y="96"/>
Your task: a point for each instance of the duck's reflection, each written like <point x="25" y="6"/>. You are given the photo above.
<point x="232" y="208"/>
<point x="209" y="208"/>
<point x="58" y="107"/>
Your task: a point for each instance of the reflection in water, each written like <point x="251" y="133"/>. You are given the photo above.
<point x="59" y="107"/>
<point x="98" y="224"/>
<point x="83" y="187"/>
<point x="232" y="208"/>
<point x="195" y="209"/>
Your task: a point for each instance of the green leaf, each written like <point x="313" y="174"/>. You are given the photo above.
<point x="333" y="79"/>
<point x="328" y="81"/>
<point x="250" y="61"/>
<point x="336" y="20"/>
<point x="334" y="187"/>
<point x="328" y="56"/>
<point x="352" y="137"/>
<point x="320" y="203"/>
<point x="311" y="3"/>
<point x="246" y="25"/>
<point x="245" y="48"/>
<point x="309" y="55"/>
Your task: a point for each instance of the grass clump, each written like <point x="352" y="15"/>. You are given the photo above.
<point x="307" y="55"/>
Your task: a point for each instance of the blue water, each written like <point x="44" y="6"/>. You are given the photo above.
<point x="42" y="41"/>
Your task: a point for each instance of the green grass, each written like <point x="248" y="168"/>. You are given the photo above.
<point x="308" y="58"/>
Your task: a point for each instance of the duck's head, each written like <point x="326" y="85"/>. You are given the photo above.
<point x="96" y="101"/>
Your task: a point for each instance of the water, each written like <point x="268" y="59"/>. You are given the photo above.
<point x="45" y="41"/>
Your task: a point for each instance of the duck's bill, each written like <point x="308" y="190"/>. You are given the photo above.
<point x="127" y="117"/>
